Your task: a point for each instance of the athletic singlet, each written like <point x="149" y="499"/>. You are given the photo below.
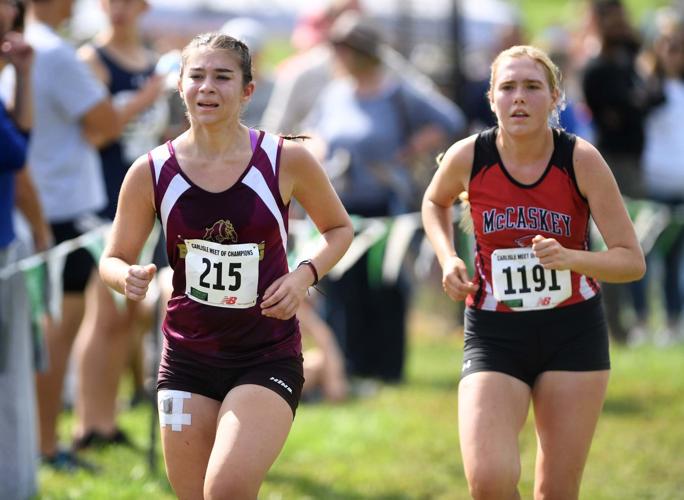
<point x="225" y="249"/>
<point x="115" y="163"/>
<point x="507" y="215"/>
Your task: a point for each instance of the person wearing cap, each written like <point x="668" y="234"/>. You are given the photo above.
<point x="300" y="78"/>
<point x="381" y="124"/>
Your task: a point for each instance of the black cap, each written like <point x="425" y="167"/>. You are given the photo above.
<point x="358" y="33"/>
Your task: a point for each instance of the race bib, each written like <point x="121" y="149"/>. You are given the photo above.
<point x="222" y="275"/>
<point x="522" y="283"/>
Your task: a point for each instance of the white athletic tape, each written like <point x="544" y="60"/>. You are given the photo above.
<point x="170" y="405"/>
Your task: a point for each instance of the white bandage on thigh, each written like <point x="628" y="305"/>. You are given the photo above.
<point x="170" y="404"/>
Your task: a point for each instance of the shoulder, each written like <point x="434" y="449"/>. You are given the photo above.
<point x="586" y="156"/>
<point x="590" y="168"/>
<point x="461" y="153"/>
<point x="90" y="55"/>
<point x="140" y="168"/>
<point x="295" y="155"/>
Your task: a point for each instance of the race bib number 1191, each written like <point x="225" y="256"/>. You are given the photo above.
<point x="522" y="283"/>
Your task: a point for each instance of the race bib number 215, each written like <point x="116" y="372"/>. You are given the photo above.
<point x="222" y="275"/>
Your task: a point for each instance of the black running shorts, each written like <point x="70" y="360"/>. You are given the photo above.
<point x="526" y="344"/>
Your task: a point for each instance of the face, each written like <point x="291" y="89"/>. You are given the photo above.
<point x="670" y="51"/>
<point x="124" y="12"/>
<point x="66" y="8"/>
<point x="8" y="11"/>
<point x="211" y="86"/>
<point x="353" y="62"/>
<point x="520" y="95"/>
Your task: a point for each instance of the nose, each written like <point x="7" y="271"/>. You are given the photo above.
<point x="207" y="86"/>
<point x="519" y="96"/>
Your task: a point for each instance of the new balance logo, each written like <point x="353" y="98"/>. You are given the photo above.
<point x="281" y="383"/>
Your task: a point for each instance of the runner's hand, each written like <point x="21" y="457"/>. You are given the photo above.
<point x="138" y="280"/>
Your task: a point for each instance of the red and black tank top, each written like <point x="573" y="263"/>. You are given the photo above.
<point x="508" y="214"/>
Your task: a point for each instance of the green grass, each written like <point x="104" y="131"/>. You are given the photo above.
<point x="403" y="442"/>
<point x="538" y="14"/>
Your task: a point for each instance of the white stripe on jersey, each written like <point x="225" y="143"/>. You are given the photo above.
<point x="585" y="288"/>
<point x="159" y="156"/>
<point x="255" y="180"/>
<point x="270" y="146"/>
<point x="490" y="302"/>
<point x="176" y="188"/>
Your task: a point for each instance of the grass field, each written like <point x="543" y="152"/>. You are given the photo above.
<point x="403" y="443"/>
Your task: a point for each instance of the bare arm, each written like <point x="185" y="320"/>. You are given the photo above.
<point x="29" y="204"/>
<point x="448" y="182"/>
<point x="20" y="55"/>
<point x="623" y="261"/>
<point x="303" y="178"/>
<point x="104" y="123"/>
<point x="132" y="225"/>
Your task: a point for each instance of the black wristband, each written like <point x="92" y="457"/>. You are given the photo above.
<point x="307" y="262"/>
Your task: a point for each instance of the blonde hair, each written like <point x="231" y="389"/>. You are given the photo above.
<point x="552" y="72"/>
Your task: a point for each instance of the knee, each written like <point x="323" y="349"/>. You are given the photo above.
<point x="564" y="489"/>
<point x="493" y="481"/>
<point x="229" y="486"/>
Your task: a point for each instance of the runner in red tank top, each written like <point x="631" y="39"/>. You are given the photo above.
<point x="534" y="328"/>
<point x="231" y="370"/>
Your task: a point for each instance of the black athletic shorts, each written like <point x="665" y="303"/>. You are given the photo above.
<point x="181" y="371"/>
<point x="79" y="263"/>
<point x="526" y="344"/>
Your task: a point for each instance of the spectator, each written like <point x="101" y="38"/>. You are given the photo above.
<point x="73" y="115"/>
<point x="17" y="410"/>
<point x="663" y="167"/>
<point x="120" y="60"/>
<point x="380" y="125"/>
<point x="618" y="99"/>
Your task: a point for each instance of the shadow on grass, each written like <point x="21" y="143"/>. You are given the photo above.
<point x="307" y="487"/>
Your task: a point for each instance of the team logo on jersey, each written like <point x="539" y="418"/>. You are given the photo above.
<point x="525" y="241"/>
<point x="527" y="219"/>
<point x="220" y="232"/>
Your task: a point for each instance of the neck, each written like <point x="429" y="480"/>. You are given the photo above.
<point x="122" y="38"/>
<point x="215" y="141"/>
<point x="370" y="81"/>
<point x="526" y="149"/>
<point x="46" y="13"/>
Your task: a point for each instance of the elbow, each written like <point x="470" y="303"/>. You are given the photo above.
<point x="636" y="270"/>
<point x="347" y="235"/>
<point x="640" y="267"/>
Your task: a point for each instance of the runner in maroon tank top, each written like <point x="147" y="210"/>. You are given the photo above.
<point x="231" y="370"/>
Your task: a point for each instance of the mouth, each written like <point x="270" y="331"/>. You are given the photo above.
<point x="207" y="105"/>
<point x="519" y="114"/>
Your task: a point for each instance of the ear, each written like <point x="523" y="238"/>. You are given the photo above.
<point x="555" y="98"/>
<point x="248" y="90"/>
